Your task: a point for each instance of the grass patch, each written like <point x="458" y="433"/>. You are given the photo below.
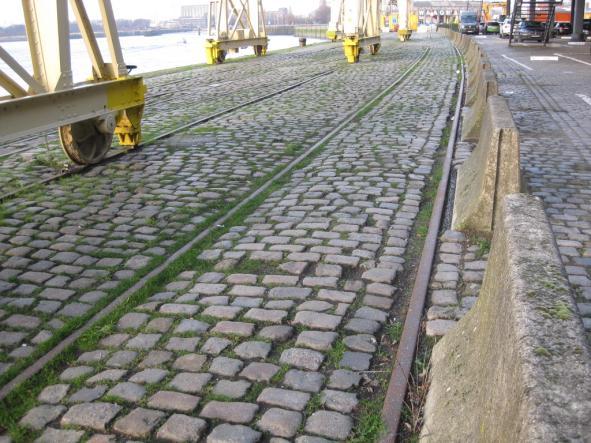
<point x="314" y="404"/>
<point x="394" y="331"/>
<point x="292" y="149"/>
<point x="370" y="425"/>
<point x="483" y="247"/>
<point x="335" y="354"/>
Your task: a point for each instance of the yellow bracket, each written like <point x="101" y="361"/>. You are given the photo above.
<point x="260" y="50"/>
<point x="121" y="95"/>
<point x="352" y="49"/>
<point x="404" y="35"/>
<point x="212" y="52"/>
<point x="129" y="126"/>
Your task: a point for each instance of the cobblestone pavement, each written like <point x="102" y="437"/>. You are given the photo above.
<point x="273" y="341"/>
<point x="456" y="280"/>
<point x="68" y="248"/>
<point x="174" y="99"/>
<point x="459" y="267"/>
<point x="553" y="121"/>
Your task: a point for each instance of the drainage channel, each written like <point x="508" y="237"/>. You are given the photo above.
<point x="398" y="384"/>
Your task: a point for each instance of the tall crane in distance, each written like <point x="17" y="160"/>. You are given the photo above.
<point x="361" y="27"/>
<point x="407" y="21"/>
<point x="235" y="24"/>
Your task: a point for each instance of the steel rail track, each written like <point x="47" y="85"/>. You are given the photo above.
<point x="115" y="155"/>
<point x="398" y="383"/>
<point x="39" y="364"/>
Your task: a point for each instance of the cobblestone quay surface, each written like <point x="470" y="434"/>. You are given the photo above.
<point x="174" y="99"/>
<point x="272" y="341"/>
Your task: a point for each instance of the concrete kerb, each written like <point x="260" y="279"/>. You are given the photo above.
<point x="472" y="117"/>
<point x="490" y="173"/>
<point x="516" y="367"/>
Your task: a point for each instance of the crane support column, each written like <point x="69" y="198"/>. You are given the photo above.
<point x="235" y="24"/>
<point x="361" y="27"/>
<point x="335" y="27"/>
<point x="407" y="21"/>
<point x="87" y="115"/>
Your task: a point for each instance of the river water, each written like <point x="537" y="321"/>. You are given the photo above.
<point x="148" y="53"/>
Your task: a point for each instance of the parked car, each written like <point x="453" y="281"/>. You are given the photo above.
<point x="468" y="23"/>
<point x="587" y="27"/>
<point x="528" y="30"/>
<point x="562" y="28"/>
<point x="492" y="28"/>
<point x="505" y="28"/>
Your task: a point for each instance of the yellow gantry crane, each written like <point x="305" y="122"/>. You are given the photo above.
<point x="361" y="27"/>
<point x="235" y="24"/>
<point x="88" y="115"/>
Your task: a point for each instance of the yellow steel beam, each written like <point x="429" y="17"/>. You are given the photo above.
<point x="13" y="88"/>
<point x="37" y="113"/>
<point x="89" y="39"/>
<point x="35" y="86"/>
<point x="110" y="28"/>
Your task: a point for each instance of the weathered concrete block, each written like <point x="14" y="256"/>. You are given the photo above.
<point x="516" y="368"/>
<point x="472" y="117"/>
<point x="490" y="173"/>
<point x="475" y="78"/>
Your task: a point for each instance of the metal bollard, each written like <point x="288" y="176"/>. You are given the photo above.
<point x="302" y="42"/>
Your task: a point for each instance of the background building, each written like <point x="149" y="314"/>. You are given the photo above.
<point x="194" y="16"/>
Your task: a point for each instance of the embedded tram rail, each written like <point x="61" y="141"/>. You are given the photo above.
<point x="187" y="228"/>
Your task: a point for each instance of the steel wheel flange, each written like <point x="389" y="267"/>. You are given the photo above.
<point x="88" y="141"/>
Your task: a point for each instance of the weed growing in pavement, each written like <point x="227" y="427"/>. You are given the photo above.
<point x="254" y="392"/>
<point x="394" y="331"/>
<point x="483" y="247"/>
<point x="50" y="157"/>
<point x="292" y="149"/>
<point x="370" y="425"/>
<point x="335" y="354"/>
<point x="418" y="387"/>
<point x="314" y="404"/>
<point x="280" y="374"/>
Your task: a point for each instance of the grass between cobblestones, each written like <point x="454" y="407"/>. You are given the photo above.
<point x="73" y="325"/>
<point x="24" y="396"/>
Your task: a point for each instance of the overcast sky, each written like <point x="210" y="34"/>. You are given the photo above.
<point x="151" y="9"/>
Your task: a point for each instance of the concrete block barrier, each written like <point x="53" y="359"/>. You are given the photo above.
<point x="472" y="117"/>
<point x="516" y="368"/>
<point x="474" y="78"/>
<point x="490" y="173"/>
